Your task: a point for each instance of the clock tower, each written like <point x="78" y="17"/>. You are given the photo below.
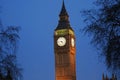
<point x="64" y="48"/>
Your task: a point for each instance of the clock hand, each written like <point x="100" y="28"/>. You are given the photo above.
<point x="61" y="41"/>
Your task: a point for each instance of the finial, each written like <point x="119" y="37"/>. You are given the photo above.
<point x="63" y="10"/>
<point x="63" y="2"/>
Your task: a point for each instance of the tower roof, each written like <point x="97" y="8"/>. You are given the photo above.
<point x="63" y="10"/>
<point x="64" y="19"/>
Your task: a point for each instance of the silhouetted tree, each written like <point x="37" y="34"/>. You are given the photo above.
<point x="9" y="69"/>
<point x="103" y="23"/>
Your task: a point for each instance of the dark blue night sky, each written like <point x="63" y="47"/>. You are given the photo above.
<point x="38" y="19"/>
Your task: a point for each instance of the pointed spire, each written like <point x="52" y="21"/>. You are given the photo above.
<point x="64" y="19"/>
<point x="63" y="10"/>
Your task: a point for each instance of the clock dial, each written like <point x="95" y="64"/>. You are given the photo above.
<point x="61" y="41"/>
<point x="72" y="42"/>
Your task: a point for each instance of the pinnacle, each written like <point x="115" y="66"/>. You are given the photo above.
<point x="63" y="10"/>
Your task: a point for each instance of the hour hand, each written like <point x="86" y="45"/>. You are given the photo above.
<point x="61" y="41"/>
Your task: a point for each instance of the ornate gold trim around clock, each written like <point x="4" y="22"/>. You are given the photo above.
<point x="63" y="32"/>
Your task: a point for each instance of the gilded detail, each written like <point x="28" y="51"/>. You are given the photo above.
<point x="63" y="32"/>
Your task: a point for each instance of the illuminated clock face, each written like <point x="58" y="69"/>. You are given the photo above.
<point x="72" y="42"/>
<point x="61" y="41"/>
